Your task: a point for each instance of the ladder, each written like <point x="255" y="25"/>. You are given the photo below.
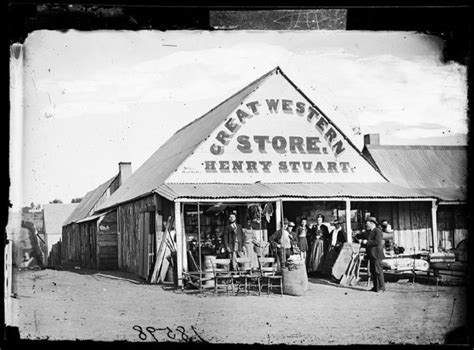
<point x="364" y="271"/>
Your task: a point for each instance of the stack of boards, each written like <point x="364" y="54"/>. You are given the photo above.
<point x="165" y="244"/>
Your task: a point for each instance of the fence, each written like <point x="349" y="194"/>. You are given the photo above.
<point x="54" y="258"/>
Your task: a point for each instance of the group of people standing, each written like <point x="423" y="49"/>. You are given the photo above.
<point x="313" y="242"/>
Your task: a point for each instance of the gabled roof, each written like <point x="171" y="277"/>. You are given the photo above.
<point x="440" y="171"/>
<point x="88" y="202"/>
<point x="55" y="215"/>
<point x="174" y="151"/>
<point x="181" y="145"/>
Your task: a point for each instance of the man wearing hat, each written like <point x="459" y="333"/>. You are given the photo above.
<point x="282" y="240"/>
<point x="338" y="236"/>
<point x="374" y="248"/>
<point x="234" y="239"/>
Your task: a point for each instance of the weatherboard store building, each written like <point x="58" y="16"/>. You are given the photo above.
<point x="267" y="146"/>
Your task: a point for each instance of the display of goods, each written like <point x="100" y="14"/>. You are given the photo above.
<point x="295" y="279"/>
<point x="294" y="258"/>
<point x="442" y="257"/>
<point x="405" y="264"/>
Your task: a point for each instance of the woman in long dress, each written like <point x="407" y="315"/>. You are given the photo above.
<point x="319" y="235"/>
<point x="249" y="246"/>
<point x="300" y="237"/>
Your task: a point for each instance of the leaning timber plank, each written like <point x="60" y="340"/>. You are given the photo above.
<point x="342" y="261"/>
<point x="165" y="263"/>
<point x="163" y="270"/>
<point x="159" y="258"/>
<point x="160" y="254"/>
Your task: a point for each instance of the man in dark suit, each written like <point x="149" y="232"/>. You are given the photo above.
<point x="234" y="240"/>
<point x="374" y="246"/>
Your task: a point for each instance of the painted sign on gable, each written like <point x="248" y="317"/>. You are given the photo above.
<point x="275" y="135"/>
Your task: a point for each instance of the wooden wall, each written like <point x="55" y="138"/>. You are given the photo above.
<point x="79" y="244"/>
<point x="107" y="242"/>
<point x="88" y="241"/>
<point x="452" y="225"/>
<point x="134" y="231"/>
<point x="70" y="249"/>
<point x="411" y="221"/>
<point x="55" y="256"/>
<point x="130" y="228"/>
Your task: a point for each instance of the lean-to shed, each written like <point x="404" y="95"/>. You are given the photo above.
<point x="89" y="240"/>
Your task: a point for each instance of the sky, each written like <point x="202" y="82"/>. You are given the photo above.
<point x="87" y="100"/>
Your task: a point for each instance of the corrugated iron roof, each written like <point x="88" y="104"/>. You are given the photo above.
<point x="174" y="151"/>
<point x="170" y="155"/>
<point x="437" y="170"/>
<point x="54" y="216"/>
<point x="448" y="194"/>
<point x="87" y="203"/>
<point x="384" y="190"/>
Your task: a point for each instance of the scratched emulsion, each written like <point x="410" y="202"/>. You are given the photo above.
<point x="321" y="19"/>
<point x="90" y="306"/>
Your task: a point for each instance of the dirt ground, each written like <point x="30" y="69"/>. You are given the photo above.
<point x="70" y="305"/>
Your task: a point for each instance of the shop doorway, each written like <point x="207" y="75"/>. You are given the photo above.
<point x="210" y="221"/>
<point x="147" y="243"/>
<point x="331" y="210"/>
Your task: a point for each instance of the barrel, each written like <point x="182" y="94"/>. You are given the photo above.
<point x="207" y="269"/>
<point x="295" y="279"/>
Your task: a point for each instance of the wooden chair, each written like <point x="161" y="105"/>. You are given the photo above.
<point x="243" y="273"/>
<point x="198" y="279"/>
<point x="223" y="278"/>
<point x="268" y="276"/>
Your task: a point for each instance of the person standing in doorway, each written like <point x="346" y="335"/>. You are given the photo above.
<point x="374" y="247"/>
<point x="234" y="240"/>
<point x="300" y="236"/>
<point x="337" y="236"/>
<point x="320" y="235"/>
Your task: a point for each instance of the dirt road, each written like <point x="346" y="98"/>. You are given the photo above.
<point x="67" y="305"/>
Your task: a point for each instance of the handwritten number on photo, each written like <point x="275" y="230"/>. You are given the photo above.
<point x="141" y="334"/>
<point x="152" y="331"/>
<point x="169" y="333"/>
<point x="181" y="330"/>
<point x="195" y="332"/>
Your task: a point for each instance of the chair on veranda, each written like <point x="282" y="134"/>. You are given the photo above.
<point x="223" y="278"/>
<point x="242" y="275"/>
<point x="268" y="275"/>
